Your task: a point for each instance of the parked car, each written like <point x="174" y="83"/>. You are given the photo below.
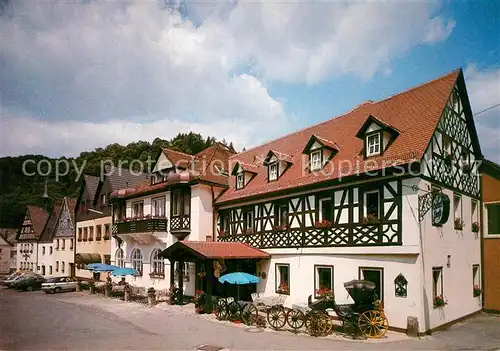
<point x="10" y="277"/>
<point x="59" y="284"/>
<point x="30" y="283"/>
<point x="10" y="283"/>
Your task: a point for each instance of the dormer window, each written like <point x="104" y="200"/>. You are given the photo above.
<point x="373" y="145"/>
<point x="316" y="160"/>
<point x="273" y="171"/>
<point x="240" y="180"/>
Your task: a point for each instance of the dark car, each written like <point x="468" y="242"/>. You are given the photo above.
<point x="30" y="283"/>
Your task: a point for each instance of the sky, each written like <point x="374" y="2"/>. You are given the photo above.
<point x="77" y="75"/>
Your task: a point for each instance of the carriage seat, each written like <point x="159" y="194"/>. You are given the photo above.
<point x="344" y="311"/>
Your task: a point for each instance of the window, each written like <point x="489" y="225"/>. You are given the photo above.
<point x="106" y="232"/>
<point x="226" y="225"/>
<point x="85" y="234"/>
<point x="325" y="210"/>
<point x="62" y="267"/>
<point x="446" y="144"/>
<point x="137" y="261"/>
<point x="185" y="271"/>
<point x="57" y="266"/>
<point x="157" y="262"/>
<point x="187" y="203"/>
<point x="401" y="286"/>
<point x="57" y="244"/>
<point x="158" y="207"/>
<point x="63" y="244"/>
<point x="43" y="270"/>
<point x="50" y="270"/>
<point x="91" y="233"/>
<point x="80" y="232"/>
<point x="273" y="171"/>
<point x="372" y="204"/>
<point x="119" y="258"/>
<point x="283" y="215"/>
<point x="249" y="221"/>
<point x="283" y="278"/>
<point x="437" y="282"/>
<point x="373" y="144"/>
<point x="176" y="204"/>
<point x="240" y="180"/>
<point x="71" y="244"/>
<point x="316" y="160"/>
<point x="43" y="250"/>
<point x="474" y="212"/>
<point x="50" y="250"/>
<point x="374" y="275"/>
<point x="98" y="234"/>
<point x="138" y="209"/>
<point x="493" y="212"/>
<point x="457" y="209"/>
<point x="476" y="281"/>
<point x="323" y="279"/>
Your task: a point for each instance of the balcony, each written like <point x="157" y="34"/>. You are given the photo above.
<point x="180" y="226"/>
<point x="141" y="230"/>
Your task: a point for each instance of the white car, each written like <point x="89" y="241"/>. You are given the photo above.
<point x="59" y="284"/>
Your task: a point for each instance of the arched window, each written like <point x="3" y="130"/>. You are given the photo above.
<point x="137" y="261"/>
<point x="157" y="263"/>
<point x="120" y="261"/>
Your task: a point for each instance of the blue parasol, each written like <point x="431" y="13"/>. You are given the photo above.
<point x="239" y="278"/>
<point x="101" y="267"/>
<point x="120" y="272"/>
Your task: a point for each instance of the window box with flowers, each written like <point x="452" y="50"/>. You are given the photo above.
<point x="157" y="275"/>
<point x="323" y="224"/>
<point x="247" y="231"/>
<point x="324" y="294"/>
<point x="475" y="227"/>
<point x="439" y="301"/>
<point x="280" y="228"/>
<point x="459" y="224"/>
<point x="477" y="291"/>
<point x="370" y="219"/>
<point x="172" y="295"/>
<point x="222" y="233"/>
<point x="283" y="288"/>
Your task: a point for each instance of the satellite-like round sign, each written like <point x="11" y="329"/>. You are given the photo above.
<point x="440" y="209"/>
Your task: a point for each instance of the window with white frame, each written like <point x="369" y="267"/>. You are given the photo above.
<point x="63" y="244"/>
<point x="437" y="282"/>
<point x="186" y="203"/>
<point x="43" y="250"/>
<point x="136" y="259"/>
<point x="493" y="213"/>
<point x="157" y="262"/>
<point x="273" y="171"/>
<point x="71" y="244"/>
<point x="119" y="258"/>
<point x="323" y="280"/>
<point x="476" y="279"/>
<point x="373" y="144"/>
<point x="457" y="210"/>
<point x="138" y="209"/>
<point x="62" y="267"/>
<point x="316" y="160"/>
<point x="240" y="180"/>
<point x="57" y="266"/>
<point x="158" y="207"/>
<point x="372" y="204"/>
<point x="50" y="270"/>
<point x="50" y="250"/>
<point x="249" y="221"/>
<point x="326" y="210"/>
<point x="283" y="216"/>
<point x="474" y="212"/>
<point x="283" y="278"/>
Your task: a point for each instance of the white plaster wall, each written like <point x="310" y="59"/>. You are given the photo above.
<point x="410" y="222"/>
<point x="201" y="213"/>
<point x="32" y="257"/>
<point x="346" y="268"/>
<point x="46" y="259"/>
<point x="102" y="247"/>
<point x="464" y="250"/>
<point x="67" y="256"/>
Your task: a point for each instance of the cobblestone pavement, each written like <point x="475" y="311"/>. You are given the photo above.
<point x="79" y="321"/>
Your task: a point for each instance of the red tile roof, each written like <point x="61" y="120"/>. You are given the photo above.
<point x="51" y="225"/>
<point x="414" y="113"/>
<point x="226" y="250"/>
<point x="246" y="167"/>
<point x="38" y="217"/>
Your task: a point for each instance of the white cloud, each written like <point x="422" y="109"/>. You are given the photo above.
<point x="103" y="66"/>
<point x="438" y="29"/>
<point x="483" y="87"/>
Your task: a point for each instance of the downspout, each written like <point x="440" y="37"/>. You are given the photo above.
<point x="481" y="236"/>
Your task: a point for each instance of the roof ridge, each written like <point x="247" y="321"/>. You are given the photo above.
<point x="345" y="114"/>
<point x="178" y="152"/>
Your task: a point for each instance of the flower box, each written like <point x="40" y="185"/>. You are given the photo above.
<point x="156" y="275"/>
<point x="439" y="301"/>
<point x="323" y="224"/>
<point x="324" y="294"/>
<point x="459" y="224"/>
<point x="475" y="227"/>
<point x="370" y="219"/>
<point x="248" y="231"/>
<point x="477" y="291"/>
<point x="278" y="228"/>
<point x="283" y="288"/>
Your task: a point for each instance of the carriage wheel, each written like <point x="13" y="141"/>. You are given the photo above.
<point x="276" y="317"/>
<point x="326" y="324"/>
<point x="249" y="314"/>
<point x="295" y="319"/>
<point x="313" y="323"/>
<point x="234" y="311"/>
<point x="373" y="324"/>
<point x="221" y="309"/>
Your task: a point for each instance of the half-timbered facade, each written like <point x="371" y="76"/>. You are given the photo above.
<point x="381" y="193"/>
<point x="28" y="235"/>
<point x="177" y="204"/>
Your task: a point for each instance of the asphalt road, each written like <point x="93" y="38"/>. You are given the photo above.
<point x="77" y="321"/>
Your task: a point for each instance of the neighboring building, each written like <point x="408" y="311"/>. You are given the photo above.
<point x="177" y="204"/>
<point x="491" y="235"/>
<point x="8" y="250"/>
<point x="364" y="196"/>
<point x="27" y="237"/>
<point x="93" y="214"/>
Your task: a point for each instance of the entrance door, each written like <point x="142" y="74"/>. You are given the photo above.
<point x="374" y="275"/>
<point x="43" y="270"/>
<point x="71" y="269"/>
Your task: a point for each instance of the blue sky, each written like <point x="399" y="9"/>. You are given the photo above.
<point x="85" y="74"/>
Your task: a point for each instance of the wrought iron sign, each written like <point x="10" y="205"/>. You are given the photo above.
<point x="440" y="205"/>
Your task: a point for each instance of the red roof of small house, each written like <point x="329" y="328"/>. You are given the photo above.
<point x="414" y="113"/>
<point x="39" y="218"/>
<point x="216" y="249"/>
<point x="246" y="167"/>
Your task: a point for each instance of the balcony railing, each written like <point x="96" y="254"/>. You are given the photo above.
<point x="142" y="225"/>
<point x="180" y="226"/>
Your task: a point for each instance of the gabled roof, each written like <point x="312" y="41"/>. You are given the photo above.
<point x="415" y="113"/>
<point x="385" y="126"/>
<point x="121" y="178"/>
<point x="51" y="224"/>
<point x="91" y="184"/>
<point x="178" y="158"/>
<point x="490" y="168"/>
<point x="71" y="203"/>
<point x="245" y="167"/>
<point x="38" y="217"/>
<point x="324" y="142"/>
<point x="216" y="250"/>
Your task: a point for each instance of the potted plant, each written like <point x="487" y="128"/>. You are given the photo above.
<point x="278" y="228"/>
<point x="439" y="301"/>
<point x="247" y="231"/>
<point x="323" y="224"/>
<point x="370" y="219"/>
<point x="477" y="291"/>
<point x="199" y="301"/>
<point x="283" y="288"/>
<point x="222" y="233"/>
<point x="172" y="295"/>
<point x="459" y="224"/>
<point x="475" y="227"/>
<point x="324" y="294"/>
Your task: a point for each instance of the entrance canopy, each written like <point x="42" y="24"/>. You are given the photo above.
<point x="212" y="250"/>
<point x="86" y="258"/>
